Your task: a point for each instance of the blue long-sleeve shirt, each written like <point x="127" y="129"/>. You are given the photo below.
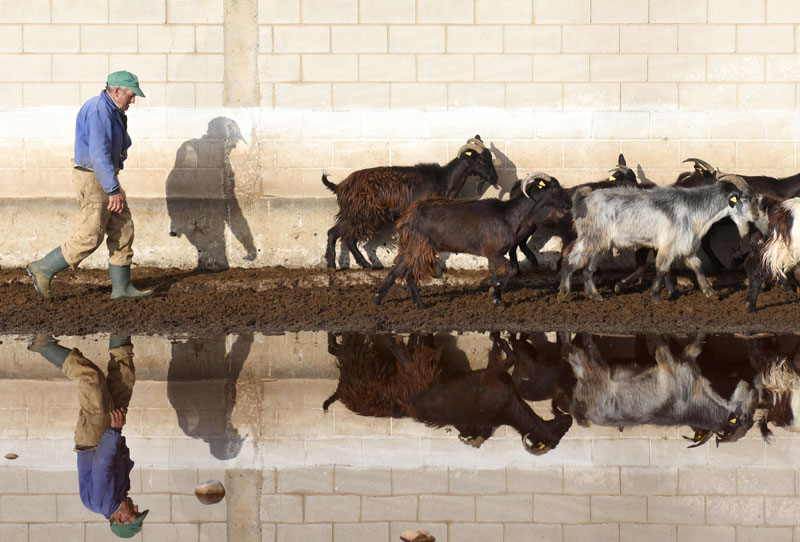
<point x="104" y="473"/>
<point x="101" y="140"/>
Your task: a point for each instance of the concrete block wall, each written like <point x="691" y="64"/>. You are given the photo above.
<point x="313" y="86"/>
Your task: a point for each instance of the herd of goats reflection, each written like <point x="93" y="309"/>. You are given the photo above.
<point x="717" y="385"/>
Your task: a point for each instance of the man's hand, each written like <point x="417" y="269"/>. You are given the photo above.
<point x="118" y="417"/>
<point x="115" y="203"/>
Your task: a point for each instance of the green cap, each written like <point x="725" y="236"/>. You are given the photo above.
<point x="129" y="530"/>
<point x="125" y="79"/>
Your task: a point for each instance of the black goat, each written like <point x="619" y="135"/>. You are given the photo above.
<point x="487" y="227"/>
<point x="371" y="198"/>
<point x="562" y="227"/>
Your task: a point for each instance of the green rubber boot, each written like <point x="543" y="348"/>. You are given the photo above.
<point x="121" y="286"/>
<point x="42" y="271"/>
<point x="115" y="341"/>
<point x="49" y="348"/>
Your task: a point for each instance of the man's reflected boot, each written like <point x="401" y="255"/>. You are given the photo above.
<point x="41" y="271"/>
<point x="121" y="286"/>
<point x="118" y="340"/>
<point x="48" y="347"/>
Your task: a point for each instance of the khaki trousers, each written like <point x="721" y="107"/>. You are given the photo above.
<point x="98" y="394"/>
<point x="95" y="221"/>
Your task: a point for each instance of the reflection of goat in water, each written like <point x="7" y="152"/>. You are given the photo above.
<point x="673" y="392"/>
<point x="383" y="376"/>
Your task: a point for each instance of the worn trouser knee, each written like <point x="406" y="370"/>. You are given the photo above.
<point x="93" y="397"/>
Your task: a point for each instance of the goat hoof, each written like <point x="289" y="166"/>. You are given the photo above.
<point x="499" y="304"/>
<point x="710" y="292"/>
<point x="618" y="287"/>
<point x="594" y="296"/>
<point x="562" y="296"/>
<point x="750" y="308"/>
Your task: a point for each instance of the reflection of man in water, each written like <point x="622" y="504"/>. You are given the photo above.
<point x="104" y="462"/>
<point x="201" y="165"/>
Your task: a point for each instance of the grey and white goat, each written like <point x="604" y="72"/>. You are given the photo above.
<point x="671" y="220"/>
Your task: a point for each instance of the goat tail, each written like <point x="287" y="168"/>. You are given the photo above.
<point x="778" y="256"/>
<point x="329" y="185"/>
<point x="330" y="400"/>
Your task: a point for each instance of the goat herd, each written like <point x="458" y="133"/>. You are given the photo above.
<point x="620" y="212"/>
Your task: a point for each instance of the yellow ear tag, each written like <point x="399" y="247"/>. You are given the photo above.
<point x="612" y="178"/>
<point x="698" y="169"/>
<point x="698" y="436"/>
<point x="734" y="199"/>
<point x="541" y="185"/>
<point x="468" y="153"/>
<point x="734" y="419"/>
<point x="542" y="445"/>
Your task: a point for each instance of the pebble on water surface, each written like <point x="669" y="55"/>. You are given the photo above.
<point x="211" y="492"/>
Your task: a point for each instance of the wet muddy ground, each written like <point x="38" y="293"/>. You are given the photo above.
<point x="276" y="299"/>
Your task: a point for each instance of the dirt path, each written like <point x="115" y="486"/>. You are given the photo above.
<point x="275" y="300"/>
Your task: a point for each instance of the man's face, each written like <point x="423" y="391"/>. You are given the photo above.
<point x="127" y="512"/>
<point x="123" y="97"/>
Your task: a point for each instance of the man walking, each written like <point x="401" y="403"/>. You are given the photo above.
<point x="101" y="146"/>
<point x="104" y="463"/>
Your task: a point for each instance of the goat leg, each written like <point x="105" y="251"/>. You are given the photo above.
<point x="755" y="279"/>
<point x="390" y="278"/>
<point x="351" y="246"/>
<point x="705" y="242"/>
<point x="641" y="261"/>
<point x="588" y="279"/>
<point x="693" y="263"/>
<point x="412" y="289"/>
<point x="512" y="256"/>
<point x="523" y="246"/>
<point x="500" y="266"/>
<point x="330" y="252"/>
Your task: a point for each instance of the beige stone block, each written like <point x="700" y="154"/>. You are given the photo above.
<point x="146" y="67"/>
<point x="71" y="509"/>
<point x="446" y="508"/>
<point x="476" y="532"/>
<point x="679" y="125"/>
<point x="36" y="11"/>
<point x="707" y="96"/>
<point x="329" y="11"/>
<point x="265" y="39"/>
<point x="407" y="153"/>
<point x="55" y="531"/>
<point x="80" y="11"/>
<point x="561" y="12"/>
<point x="116" y="38"/>
<point x="266" y="92"/>
<point x="354" y="155"/>
<point x="783" y="68"/>
<point x="416" y="38"/>
<point x="598" y="532"/>
<point x="302" y="39"/>
<point x="782" y="11"/>
<point x="166" y="39"/>
<point x="295" y="422"/>
<point x="53" y="481"/>
<point x="469" y="95"/>
<point x="532" y="531"/>
<point x="604" y="480"/>
<point x="279" y="68"/>
<point x="24" y="67"/>
<point x="782" y="125"/>
<point x="419" y="481"/>
<point x="649" y="96"/>
<point x="672" y="452"/>
<point x="674" y="68"/>
<point x="561" y="508"/>
<point x="477" y="482"/>
<point x="199" y="12"/>
<point x="210" y="39"/>
<point x="560" y="67"/>
<point x="51" y="94"/>
<point x="649" y="480"/>
<point x="354" y="96"/>
<point x="10" y="182"/>
<point x="653" y="533"/>
<point x="14" y="480"/>
<point x="50" y="38"/>
<point x="14" y="531"/>
<point x="762" y="154"/>
<point x="735" y="510"/>
<point x="209" y="94"/>
<point x="362" y="481"/>
<point x="721" y="154"/>
<point x="187" y="508"/>
<point x="303" y="533"/>
<point x="213" y="532"/>
<point x="626" y="11"/>
<point x="147" y="11"/>
<point x="81" y="67"/>
<point x="648" y="39"/>
<point x="453" y="12"/>
<point x="772" y="96"/>
<point x="379" y="11"/>
<point x="278" y="11"/>
<point x="451" y="67"/>
<point x="503" y="11"/>
<point x="591" y="96"/>
<point x="399" y="508"/>
<point x="651" y="154"/>
<point x="503" y="68"/>
<point x="330" y="67"/>
<point x="205" y="67"/>
<point x="737" y="67"/>
<point x="706" y="38"/>
<point x="305" y="480"/>
<point x="626" y="125"/>
<point x="474" y="39"/>
<point x="676" y="510"/>
<point x="27" y="508"/>
<point x="563" y="125"/>
<point x="359" y="39"/>
<point x="542" y="96"/>
<point x="337" y="508"/>
<point x="48" y="154"/>
<point x="771" y="38"/>
<point x="389" y="68"/>
<point x="532" y="39"/>
<point x="171" y="532"/>
<point x="12" y="155"/>
<point x="590" y="39"/>
<point x="536" y="154"/>
<point x="282" y="508"/>
<point x="591" y="154"/>
<point x="10" y="39"/>
<point x="540" y="480"/>
<point x="782" y="511"/>
<point x="758" y="534"/>
<point x="180" y="95"/>
<point x="504" y="508"/>
<point x="735" y="11"/>
<point x="703" y="533"/>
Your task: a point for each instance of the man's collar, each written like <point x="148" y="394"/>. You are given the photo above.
<point x="111" y="101"/>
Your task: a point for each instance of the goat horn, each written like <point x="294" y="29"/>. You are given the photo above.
<point x="471" y="147"/>
<point x="477" y="142"/>
<point x="620" y="167"/>
<point x="532" y="177"/>
<point x="702" y="163"/>
<point x="735" y="180"/>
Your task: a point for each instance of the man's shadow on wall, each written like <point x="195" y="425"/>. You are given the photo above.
<point x="201" y="387"/>
<point x="201" y="196"/>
